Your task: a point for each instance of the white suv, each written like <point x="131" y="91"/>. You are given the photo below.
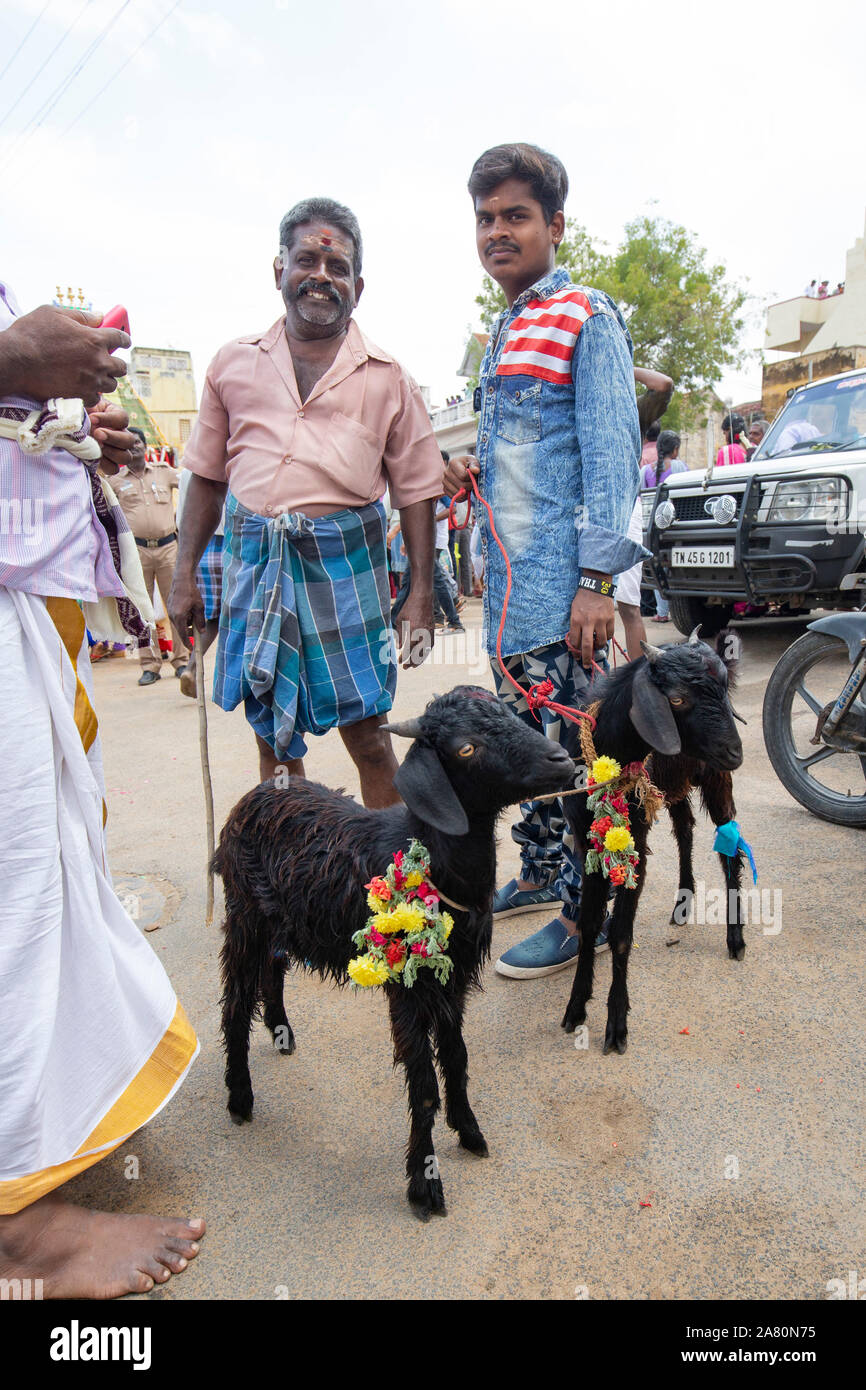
<point x="786" y="528"/>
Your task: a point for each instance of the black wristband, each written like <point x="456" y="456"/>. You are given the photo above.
<point x="605" y="587"/>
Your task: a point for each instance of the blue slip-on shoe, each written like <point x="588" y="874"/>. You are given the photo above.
<point x="549" y="950"/>
<point x="511" y="900"/>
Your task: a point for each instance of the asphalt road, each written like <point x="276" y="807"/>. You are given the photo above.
<point x="726" y="1161"/>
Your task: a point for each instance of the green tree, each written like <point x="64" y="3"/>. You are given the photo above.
<point x="683" y="314"/>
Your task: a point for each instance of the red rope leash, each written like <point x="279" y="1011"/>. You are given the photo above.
<point x="538" y="696"/>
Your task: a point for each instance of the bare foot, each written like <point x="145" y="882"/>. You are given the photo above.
<point x="94" y="1254"/>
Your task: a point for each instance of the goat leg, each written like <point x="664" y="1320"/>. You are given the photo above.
<point x="275" y="1016"/>
<point x="683" y="826"/>
<point x="453" y="1064"/>
<point x="717" y="791"/>
<point x="593" y="904"/>
<point x="410" y="1030"/>
<point x="620" y="936"/>
<point x="238" y="1006"/>
<point x="733" y="871"/>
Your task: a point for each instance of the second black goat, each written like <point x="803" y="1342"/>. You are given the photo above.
<point x="672" y="702"/>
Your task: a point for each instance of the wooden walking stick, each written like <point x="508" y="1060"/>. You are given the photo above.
<point x="205" y="770"/>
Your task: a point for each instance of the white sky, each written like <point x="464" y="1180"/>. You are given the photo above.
<point x="742" y="121"/>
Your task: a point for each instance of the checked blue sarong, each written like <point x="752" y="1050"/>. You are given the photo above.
<point x="209" y="577"/>
<point x="305" y="639"/>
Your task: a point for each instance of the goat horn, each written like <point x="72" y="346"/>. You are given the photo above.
<point x="693" y="637"/>
<point x="407" y="728"/>
<point x="650" y="652"/>
<point x="737" y="716"/>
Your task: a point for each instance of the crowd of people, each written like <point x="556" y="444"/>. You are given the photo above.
<point x="820" y="289"/>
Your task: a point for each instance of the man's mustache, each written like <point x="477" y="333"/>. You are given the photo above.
<point x="315" y="287"/>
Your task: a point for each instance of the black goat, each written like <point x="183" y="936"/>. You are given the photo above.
<point x="295" y="861"/>
<point x="673" y="702"/>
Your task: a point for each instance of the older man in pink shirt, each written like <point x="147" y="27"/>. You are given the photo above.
<point x="305" y="425"/>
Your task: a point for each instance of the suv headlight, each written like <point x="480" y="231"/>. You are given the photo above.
<point x="808" y="499"/>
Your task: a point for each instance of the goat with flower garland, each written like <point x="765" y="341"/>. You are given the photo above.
<point x="672" y="703"/>
<point x="310" y="877"/>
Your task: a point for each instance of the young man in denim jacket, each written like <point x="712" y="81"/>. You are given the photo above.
<point x="557" y="459"/>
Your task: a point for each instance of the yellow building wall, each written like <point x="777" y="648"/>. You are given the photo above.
<point x="163" y="378"/>
<point x="781" y="377"/>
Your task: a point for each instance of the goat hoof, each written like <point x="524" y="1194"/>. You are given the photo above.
<point x="428" y="1199"/>
<point x="283" y="1046"/>
<point x="475" y="1143"/>
<point x="573" y="1020"/>
<point x="241" y="1109"/>
<point x="737" y="952"/>
<point x="612" y="1042"/>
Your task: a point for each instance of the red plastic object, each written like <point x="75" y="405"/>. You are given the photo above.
<point x="117" y="318"/>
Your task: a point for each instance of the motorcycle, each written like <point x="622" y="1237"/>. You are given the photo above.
<point x="814" y="719"/>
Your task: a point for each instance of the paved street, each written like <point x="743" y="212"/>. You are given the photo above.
<point x="309" y="1199"/>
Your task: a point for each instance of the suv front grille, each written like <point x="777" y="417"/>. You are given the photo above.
<point x="694" y="508"/>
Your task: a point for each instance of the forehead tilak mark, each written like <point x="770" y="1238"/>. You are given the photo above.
<point x="325" y="240"/>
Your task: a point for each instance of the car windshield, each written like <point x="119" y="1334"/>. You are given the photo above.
<point x="829" y="416"/>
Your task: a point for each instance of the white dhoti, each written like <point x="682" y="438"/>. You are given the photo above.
<point x="628" y="583"/>
<point x="92" y="1039"/>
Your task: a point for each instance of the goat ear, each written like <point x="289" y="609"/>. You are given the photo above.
<point x="421" y="781"/>
<point x="651" y="715"/>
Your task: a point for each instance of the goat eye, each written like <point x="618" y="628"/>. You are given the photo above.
<point x="675" y="699"/>
<point x="466" y="750"/>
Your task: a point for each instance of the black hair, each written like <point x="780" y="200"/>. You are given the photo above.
<point x="446" y="457"/>
<point x="544" y="173"/>
<point x="653" y="432"/>
<point x="735" y="425"/>
<point x="668" y="443"/>
<point x="133" y="429"/>
<point x="323" y="210"/>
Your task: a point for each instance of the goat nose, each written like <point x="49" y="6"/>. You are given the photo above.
<point x="735" y="755"/>
<point x="559" y="755"/>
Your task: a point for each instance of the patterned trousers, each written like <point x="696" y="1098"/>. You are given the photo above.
<point x="547" y="851"/>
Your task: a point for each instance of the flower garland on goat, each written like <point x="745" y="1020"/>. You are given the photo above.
<point x="608" y="785"/>
<point x="407" y="931"/>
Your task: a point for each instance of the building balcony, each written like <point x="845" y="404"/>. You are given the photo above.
<point x="792" y="325"/>
<point x="452" y="414"/>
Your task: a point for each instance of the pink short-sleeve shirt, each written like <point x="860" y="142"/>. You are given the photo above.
<point x="363" y="427"/>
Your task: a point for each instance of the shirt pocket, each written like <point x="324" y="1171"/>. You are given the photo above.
<point x="520" y="414"/>
<point x="352" y="456"/>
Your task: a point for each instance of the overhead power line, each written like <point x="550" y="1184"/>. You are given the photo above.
<point x="84" y="110"/>
<point x="59" y="44"/>
<point x="49" y="104"/>
<point x="11" y="60"/>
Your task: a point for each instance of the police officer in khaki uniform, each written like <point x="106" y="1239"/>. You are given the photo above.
<point x="144" y="493"/>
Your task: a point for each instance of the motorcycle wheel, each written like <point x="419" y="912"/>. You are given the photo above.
<point x="796" y="693"/>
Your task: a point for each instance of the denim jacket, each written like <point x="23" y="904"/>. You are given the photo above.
<point x="558" y="448"/>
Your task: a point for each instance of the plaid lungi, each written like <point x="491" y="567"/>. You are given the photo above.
<point x="209" y="577"/>
<point x="305" y="639"/>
